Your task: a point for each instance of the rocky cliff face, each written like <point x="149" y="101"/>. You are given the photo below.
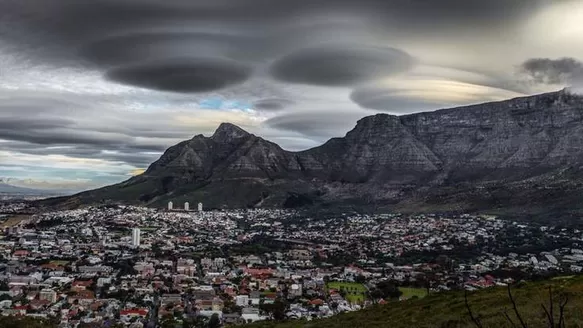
<point x="458" y="158"/>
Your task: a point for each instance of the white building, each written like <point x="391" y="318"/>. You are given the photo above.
<point x="48" y="294"/>
<point x="170" y="206"/>
<point x="552" y="259"/>
<point x="136" y="237"/>
<point x="186" y="206"/>
<point x="200" y="207"/>
<point x="242" y="300"/>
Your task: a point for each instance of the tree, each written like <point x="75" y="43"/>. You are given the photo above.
<point x="360" y="279"/>
<point x="168" y="321"/>
<point x="19" y="322"/>
<point x="334" y="306"/>
<point x="276" y="310"/>
<point x="214" y="322"/>
<point x="386" y="289"/>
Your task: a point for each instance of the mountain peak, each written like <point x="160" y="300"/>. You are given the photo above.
<point x="229" y="131"/>
<point x="378" y="125"/>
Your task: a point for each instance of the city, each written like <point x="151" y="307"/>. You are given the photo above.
<point x="138" y="266"/>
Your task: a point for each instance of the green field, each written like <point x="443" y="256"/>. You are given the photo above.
<point x="410" y="292"/>
<point x="355" y="292"/>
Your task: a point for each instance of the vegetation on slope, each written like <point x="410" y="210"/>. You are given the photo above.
<point x="491" y="307"/>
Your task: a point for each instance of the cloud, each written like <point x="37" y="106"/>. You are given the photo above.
<point x="182" y="76"/>
<point x="151" y="46"/>
<point x="431" y="88"/>
<point x="64" y="124"/>
<point x="272" y="104"/>
<point x="309" y="123"/>
<point x="338" y="65"/>
<point x="553" y="71"/>
<point x="389" y="100"/>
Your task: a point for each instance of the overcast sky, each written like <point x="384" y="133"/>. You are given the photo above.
<point x="92" y="91"/>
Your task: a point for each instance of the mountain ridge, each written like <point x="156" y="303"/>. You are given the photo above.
<point x="458" y="158"/>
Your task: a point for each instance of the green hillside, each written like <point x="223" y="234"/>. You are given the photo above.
<point x="449" y="309"/>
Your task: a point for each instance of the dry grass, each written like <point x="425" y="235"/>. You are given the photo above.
<point x="448" y="309"/>
<point x="15" y="220"/>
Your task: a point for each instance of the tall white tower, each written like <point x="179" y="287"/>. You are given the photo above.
<point x="200" y="207"/>
<point x="170" y="206"/>
<point x="186" y="206"/>
<point x="136" y="237"/>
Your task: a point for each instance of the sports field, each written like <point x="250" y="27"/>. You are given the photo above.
<point x="410" y="292"/>
<point x="355" y="292"/>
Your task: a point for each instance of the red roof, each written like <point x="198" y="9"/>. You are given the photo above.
<point x="140" y="312"/>
<point x="316" y="301"/>
<point x="83" y="295"/>
<point x="84" y="283"/>
<point x="21" y="253"/>
<point x="258" y="272"/>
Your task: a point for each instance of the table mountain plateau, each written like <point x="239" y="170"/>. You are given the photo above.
<point x="523" y="155"/>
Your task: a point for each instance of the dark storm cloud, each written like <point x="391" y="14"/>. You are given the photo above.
<point x="82" y="18"/>
<point x="272" y="104"/>
<point x="124" y="33"/>
<point x="148" y="46"/>
<point x="553" y="71"/>
<point x="182" y="76"/>
<point x="340" y="65"/>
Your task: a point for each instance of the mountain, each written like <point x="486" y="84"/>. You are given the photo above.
<point x="522" y="155"/>
<point x="6" y="188"/>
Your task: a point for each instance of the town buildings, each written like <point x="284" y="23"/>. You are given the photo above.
<point x="135" y="264"/>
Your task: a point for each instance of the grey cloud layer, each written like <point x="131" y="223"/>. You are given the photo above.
<point x="332" y="65"/>
<point x="191" y="75"/>
<point x="272" y="104"/>
<point x="318" y="124"/>
<point x="145" y="43"/>
<point x="74" y="128"/>
<point x="554" y="71"/>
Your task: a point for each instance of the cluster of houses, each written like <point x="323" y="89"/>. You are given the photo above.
<point x="139" y="266"/>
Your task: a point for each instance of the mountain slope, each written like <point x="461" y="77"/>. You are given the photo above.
<point x="7" y="188"/>
<point x="516" y="154"/>
<point x="449" y="310"/>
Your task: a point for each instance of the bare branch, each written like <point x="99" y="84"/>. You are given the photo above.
<point x="475" y="320"/>
<point x="551" y="301"/>
<point x="522" y="323"/>
<point x="562" y="312"/>
<point x="549" y="318"/>
<point x="509" y="319"/>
